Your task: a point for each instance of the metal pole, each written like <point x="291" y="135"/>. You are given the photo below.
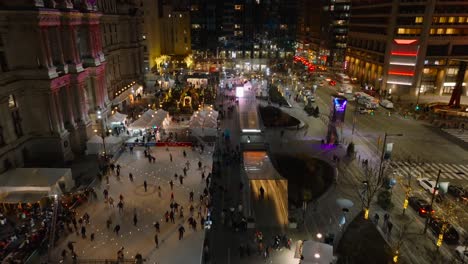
<point x="382" y="157"/>
<point x="432" y="200"/>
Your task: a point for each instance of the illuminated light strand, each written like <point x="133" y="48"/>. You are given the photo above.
<point x="403" y="63"/>
<point x="409" y="54"/>
<point x="401" y="83"/>
<point x="401" y="73"/>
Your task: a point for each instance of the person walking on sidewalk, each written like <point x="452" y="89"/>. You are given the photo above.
<point x="106" y="194"/>
<point x="191" y="196"/>
<point x="156" y="226"/>
<point x="385" y="221"/>
<point x="159" y="191"/>
<point x="181" y="180"/>
<point x="120" y="205"/>
<point x="171" y="216"/>
<point x="170" y="157"/>
<point x="117" y="229"/>
<point x="135" y="219"/>
<point x="108" y="222"/>
<point x="184" y="153"/>
<point x="389" y="229"/>
<point x="181" y="232"/>
<point x="130" y="176"/>
<point x="156" y="240"/>
<point x="145" y="184"/>
<point x="171" y="183"/>
<point x="166" y="216"/>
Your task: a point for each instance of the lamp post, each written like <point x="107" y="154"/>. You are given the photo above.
<point x="103" y="131"/>
<point x="382" y="156"/>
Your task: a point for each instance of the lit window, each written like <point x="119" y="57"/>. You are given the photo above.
<point x="238" y="33"/>
<point x="195" y="26"/>
<point x="451" y="19"/>
<point x="237" y="26"/>
<point x="418" y="20"/>
<point x="11" y="101"/>
<point x="144" y="36"/>
<point x="461" y="19"/>
<point x="238" y="7"/>
<point x="442" y="19"/>
<point x="440" y="31"/>
<point x="194" y="8"/>
<point x="283" y="26"/>
<point x="432" y="31"/>
<point x="451" y="31"/>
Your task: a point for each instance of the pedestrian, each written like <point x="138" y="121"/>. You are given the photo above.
<point x="71" y="247"/>
<point x="185" y="171"/>
<point x="135" y="219"/>
<point x="176" y="176"/>
<point x="172" y="184"/>
<point x="194" y="224"/>
<point x="120" y="205"/>
<point x="171" y="216"/>
<point x="145" y="184"/>
<point x="117" y="229"/>
<point x="184" y="153"/>
<point x="389" y="229"/>
<point x="203" y="175"/>
<point x="156" y="226"/>
<point x="111" y="202"/>
<point x="156" y="240"/>
<point x="170" y="156"/>
<point x="176" y="207"/>
<point x="191" y="196"/>
<point x="172" y="196"/>
<point x="376" y="219"/>
<point x="108" y="222"/>
<point x="154" y="159"/>
<point x="181" y="180"/>
<point x="181" y="231"/>
<point x="166" y="215"/>
<point x="384" y="225"/>
<point x="199" y="165"/>
<point x="262" y="192"/>
<point x="92" y="237"/>
<point x="83" y="232"/>
<point x="159" y="191"/>
<point x="121" y="198"/>
<point x="130" y="176"/>
<point x="199" y="211"/>
<point x="106" y="194"/>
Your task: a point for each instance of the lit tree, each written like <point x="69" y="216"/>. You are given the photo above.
<point x="372" y="182"/>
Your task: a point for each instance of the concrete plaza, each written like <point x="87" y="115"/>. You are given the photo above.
<point x="149" y="208"/>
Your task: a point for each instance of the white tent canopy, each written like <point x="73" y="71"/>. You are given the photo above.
<point x="150" y="118"/>
<point x="117" y="118"/>
<point x="31" y="184"/>
<point x="204" y="122"/>
<point x="95" y="144"/>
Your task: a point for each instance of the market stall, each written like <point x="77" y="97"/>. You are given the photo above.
<point x="117" y="120"/>
<point x="204" y="122"/>
<point x="95" y="145"/>
<point x="25" y="185"/>
<point x="151" y="119"/>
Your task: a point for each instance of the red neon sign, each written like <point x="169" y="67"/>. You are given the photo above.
<point x="397" y="53"/>
<point x="401" y="73"/>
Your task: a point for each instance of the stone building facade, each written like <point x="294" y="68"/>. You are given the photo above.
<point x="52" y="80"/>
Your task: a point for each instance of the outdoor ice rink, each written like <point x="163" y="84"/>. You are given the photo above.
<point x="149" y="208"/>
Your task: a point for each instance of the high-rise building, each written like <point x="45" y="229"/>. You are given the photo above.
<point x="52" y="79"/>
<point x="323" y="36"/>
<point x="406" y="46"/>
<point x="175" y="29"/>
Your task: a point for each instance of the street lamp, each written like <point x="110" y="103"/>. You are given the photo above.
<point x="382" y="156"/>
<point x="103" y="131"/>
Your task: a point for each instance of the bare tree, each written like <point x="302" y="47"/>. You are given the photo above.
<point x="372" y="182"/>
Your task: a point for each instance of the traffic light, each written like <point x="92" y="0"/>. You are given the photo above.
<point x="417" y="108"/>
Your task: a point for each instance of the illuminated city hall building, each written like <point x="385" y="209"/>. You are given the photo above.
<point x="398" y="46"/>
<point x="52" y="80"/>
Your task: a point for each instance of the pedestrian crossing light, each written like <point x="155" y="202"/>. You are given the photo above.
<point x="395" y="257"/>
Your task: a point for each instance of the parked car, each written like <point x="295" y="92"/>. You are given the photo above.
<point x="462" y="253"/>
<point x="458" y="192"/>
<point x="420" y="205"/>
<point x="451" y="235"/>
<point x="386" y="104"/>
<point x="428" y="185"/>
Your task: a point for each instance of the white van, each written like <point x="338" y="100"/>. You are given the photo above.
<point x="386" y="104"/>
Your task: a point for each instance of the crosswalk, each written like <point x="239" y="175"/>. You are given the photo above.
<point x="430" y="170"/>
<point x="458" y="133"/>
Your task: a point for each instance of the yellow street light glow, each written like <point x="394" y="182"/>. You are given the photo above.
<point x="95" y="130"/>
<point x="366" y="213"/>
<point x="405" y="204"/>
